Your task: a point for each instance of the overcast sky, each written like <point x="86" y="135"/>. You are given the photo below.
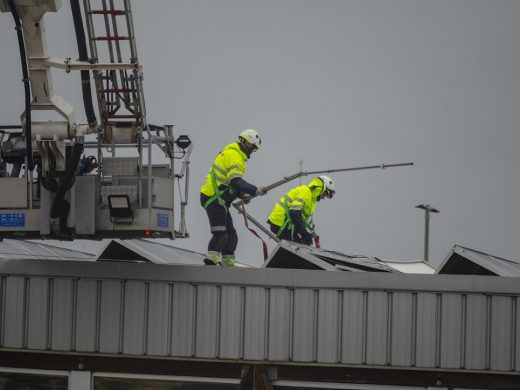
<point x="335" y="84"/>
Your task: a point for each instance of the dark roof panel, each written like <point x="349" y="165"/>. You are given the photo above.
<point x="297" y="256"/>
<point x="466" y="261"/>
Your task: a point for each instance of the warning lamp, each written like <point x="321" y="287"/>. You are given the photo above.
<point x="147" y="233"/>
<point x="183" y="142"/>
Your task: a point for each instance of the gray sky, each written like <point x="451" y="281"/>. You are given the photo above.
<point x="336" y="84"/>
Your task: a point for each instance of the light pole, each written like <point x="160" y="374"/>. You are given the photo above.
<point x="427" y="210"/>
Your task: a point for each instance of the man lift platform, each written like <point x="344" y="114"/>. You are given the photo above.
<point x="63" y="179"/>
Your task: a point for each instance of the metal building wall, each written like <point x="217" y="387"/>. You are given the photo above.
<point x="424" y="321"/>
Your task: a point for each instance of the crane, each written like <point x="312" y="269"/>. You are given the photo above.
<point x="63" y="179"/>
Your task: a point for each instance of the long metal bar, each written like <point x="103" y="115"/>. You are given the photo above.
<point x="69" y="65"/>
<point x="239" y="204"/>
<point x="149" y="178"/>
<point x="307" y="173"/>
<point x="171" y="175"/>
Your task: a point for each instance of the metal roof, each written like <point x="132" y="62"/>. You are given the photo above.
<point x="292" y="255"/>
<point x="21" y="249"/>
<point x="376" y="319"/>
<point x="466" y="261"/>
<point x="150" y="251"/>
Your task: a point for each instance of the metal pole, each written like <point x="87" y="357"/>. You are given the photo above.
<point x="427" y="210"/>
<point x="324" y="171"/>
<point x="171" y="175"/>
<point x="149" y="179"/>
<point x="426" y="231"/>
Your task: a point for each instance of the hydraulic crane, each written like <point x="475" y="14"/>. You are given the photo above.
<point x="63" y="179"/>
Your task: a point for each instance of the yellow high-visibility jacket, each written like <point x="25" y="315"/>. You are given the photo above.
<point x="299" y="198"/>
<point x="229" y="164"/>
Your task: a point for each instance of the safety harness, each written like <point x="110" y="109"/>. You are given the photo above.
<point x="288" y="220"/>
<point x="218" y="193"/>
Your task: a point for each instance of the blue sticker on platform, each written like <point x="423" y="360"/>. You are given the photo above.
<point x="12" y="220"/>
<point x="162" y="220"/>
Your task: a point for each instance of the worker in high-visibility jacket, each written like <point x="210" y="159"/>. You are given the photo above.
<point x="224" y="183"/>
<point x="291" y="218"/>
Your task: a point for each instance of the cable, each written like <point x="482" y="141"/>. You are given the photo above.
<point x="26" y="82"/>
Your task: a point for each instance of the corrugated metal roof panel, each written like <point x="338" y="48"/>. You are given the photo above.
<point x="183" y="320"/>
<point x="110" y="316"/>
<point x="37" y="321"/>
<point x="353" y="331"/>
<point x="207" y="323"/>
<point x="158" y="317"/>
<point x="86" y="327"/>
<point x="279" y="324"/>
<point x="402" y="314"/>
<point x="328" y="326"/>
<point x="378" y="322"/>
<point x="376" y="319"/>
<point x="501" y="331"/>
<point x="135" y="317"/>
<point x="255" y="323"/>
<point x="13" y="316"/>
<point x="304" y="325"/>
<point x="61" y="314"/>
<point x="451" y="329"/>
<point x="517" y="333"/>
<point x="231" y="322"/>
<point x="475" y="328"/>
<point x="428" y="319"/>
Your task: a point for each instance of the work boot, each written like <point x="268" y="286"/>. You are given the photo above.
<point x="213" y="258"/>
<point x="228" y="260"/>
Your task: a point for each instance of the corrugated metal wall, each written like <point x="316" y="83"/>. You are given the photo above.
<point x="256" y="319"/>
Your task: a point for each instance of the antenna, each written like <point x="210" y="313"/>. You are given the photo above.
<point x="300" y="163"/>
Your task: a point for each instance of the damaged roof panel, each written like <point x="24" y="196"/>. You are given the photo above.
<point x="297" y="256"/>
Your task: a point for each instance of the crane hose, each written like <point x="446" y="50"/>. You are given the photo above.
<point x="26" y="82"/>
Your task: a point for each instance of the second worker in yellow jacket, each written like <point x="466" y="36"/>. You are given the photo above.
<point x="291" y="218"/>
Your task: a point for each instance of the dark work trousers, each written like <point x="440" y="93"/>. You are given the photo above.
<point x="224" y="236"/>
<point x="286" y="234"/>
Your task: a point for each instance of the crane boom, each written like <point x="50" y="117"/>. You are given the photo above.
<point x="121" y="189"/>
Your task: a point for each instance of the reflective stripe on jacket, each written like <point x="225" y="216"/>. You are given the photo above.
<point x="229" y="164"/>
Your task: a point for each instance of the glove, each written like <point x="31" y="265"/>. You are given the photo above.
<point x="307" y="239"/>
<point x="260" y="191"/>
<point x="245" y="198"/>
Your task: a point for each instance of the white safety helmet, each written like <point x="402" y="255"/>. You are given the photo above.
<point x="328" y="186"/>
<point x="251" y="136"/>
